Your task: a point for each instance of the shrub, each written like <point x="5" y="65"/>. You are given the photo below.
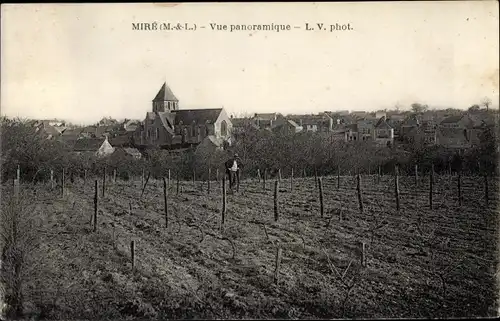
<point x="18" y="240"/>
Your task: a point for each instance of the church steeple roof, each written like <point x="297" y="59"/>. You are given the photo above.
<point x="165" y="94"/>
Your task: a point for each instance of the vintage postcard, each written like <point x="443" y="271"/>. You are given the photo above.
<point x="249" y="160"/>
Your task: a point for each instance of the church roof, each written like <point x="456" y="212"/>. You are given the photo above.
<point x="200" y="116"/>
<point x="167" y="121"/>
<point x="165" y="93"/>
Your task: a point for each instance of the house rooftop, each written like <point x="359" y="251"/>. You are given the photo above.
<point x="265" y="116"/>
<point x="88" y="144"/>
<point x="452" y="119"/>
<point x="382" y="124"/>
<point x="452" y="133"/>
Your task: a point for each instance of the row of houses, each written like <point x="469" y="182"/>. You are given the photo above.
<point x="168" y="127"/>
<point x="448" y="128"/>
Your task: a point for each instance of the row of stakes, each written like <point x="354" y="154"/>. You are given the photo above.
<point x="264" y="179"/>
<point x="319" y="184"/>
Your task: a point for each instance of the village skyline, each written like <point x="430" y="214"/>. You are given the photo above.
<point x="91" y="64"/>
<point x="397" y="108"/>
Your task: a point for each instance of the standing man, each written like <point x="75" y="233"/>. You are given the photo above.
<point x="233" y="169"/>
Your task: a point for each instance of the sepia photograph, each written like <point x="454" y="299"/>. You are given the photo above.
<point x="331" y="160"/>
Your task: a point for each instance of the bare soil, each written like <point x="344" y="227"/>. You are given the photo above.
<point x="420" y="262"/>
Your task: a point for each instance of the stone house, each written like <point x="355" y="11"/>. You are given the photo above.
<point x="241" y="125"/>
<point x="383" y="133"/>
<point x="365" y="129"/>
<point x="265" y="120"/>
<point x="93" y="147"/>
<point x="453" y="138"/>
<point x="422" y="136"/>
<point x="288" y="127"/>
<point x="340" y="132"/>
<point x="48" y="130"/>
<point x="313" y="123"/>
<point x="458" y="122"/>
<point x="352" y="133"/>
<point x="460" y="131"/>
<point x="210" y="144"/>
<point x="126" y="153"/>
<point x="408" y="125"/>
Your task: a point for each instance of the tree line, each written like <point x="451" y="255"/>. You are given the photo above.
<point x="304" y="152"/>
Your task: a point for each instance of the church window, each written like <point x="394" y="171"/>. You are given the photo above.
<point x="223" y="128"/>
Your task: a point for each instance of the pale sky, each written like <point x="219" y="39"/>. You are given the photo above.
<point x="82" y="62"/>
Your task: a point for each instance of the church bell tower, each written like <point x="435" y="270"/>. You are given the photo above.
<point x="165" y="100"/>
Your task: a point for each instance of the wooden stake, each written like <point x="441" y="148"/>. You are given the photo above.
<point x="146" y="183"/>
<point x="277" y="266"/>
<point x="486" y="194"/>
<point x="264" y="180"/>
<point x="62" y="182"/>
<point x="358" y="188"/>
<point x="194" y="179"/>
<point x="52" y="179"/>
<point x="177" y="183"/>
<point x="16" y="188"/>
<point x="132" y="254"/>
<point x="459" y="188"/>
<point x="258" y="175"/>
<point x="396" y="187"/>
<point x="279" y="174"/>
<point x="95" y="205"/>
<point x="416" y="174"/>
<point x="276" y="191"/>
<point x="291" y="181"/>
<point x="363" y="254"/>
<point x="316" y="177"/>
<point x="320" y="183"/>
<point x="104" y="182"/>
<point x="431" y="182"/>
<point x="169" y="182"/>
<point x="165" y="201"/>
<point x="209" y="178"/>
<point x="223" y="202"/>
<point x="338" y="177"/>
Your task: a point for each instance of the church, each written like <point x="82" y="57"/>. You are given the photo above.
<point x="168" y="127"/>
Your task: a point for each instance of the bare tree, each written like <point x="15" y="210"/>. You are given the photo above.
<point x="486" y="102"/>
